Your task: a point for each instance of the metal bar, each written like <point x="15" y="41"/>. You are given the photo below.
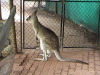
<point x="63" y="23"/>
<point x="21" y="24"/>
<point x="63" y="47"/>
<point x="56" y="8"/>
<point x="61" y="1"/>
<point x="82" y="1"/>
<point x="79" y="47"/>
<point x="61" y="29"/>
<point x="99" y="29"/>
<point x="64" y="0"/>
<point x="23" y="27"/>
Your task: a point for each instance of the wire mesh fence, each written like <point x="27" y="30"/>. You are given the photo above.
<point x="80" y="26"/>
<point x="82" y="30"/>
<point x="81" y="22"/>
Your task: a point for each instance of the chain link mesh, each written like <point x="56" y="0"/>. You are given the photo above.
<point x="82" y="30"/>
<point x="80" y="26"/>
<point x="75" y="35"/>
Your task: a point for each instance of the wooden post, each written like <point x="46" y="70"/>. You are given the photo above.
<point x="0" y="11"/>
<point x="13" y="32"/>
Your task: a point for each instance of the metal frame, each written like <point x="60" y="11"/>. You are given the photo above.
<point x="62" y="25"/>
<point x="23" y="26"/>
<point x="99" y="30"/>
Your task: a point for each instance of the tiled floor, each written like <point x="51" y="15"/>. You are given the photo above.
<point x="24" y="64"/>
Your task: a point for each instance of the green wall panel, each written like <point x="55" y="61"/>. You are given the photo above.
<point x="84" y="13"/>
